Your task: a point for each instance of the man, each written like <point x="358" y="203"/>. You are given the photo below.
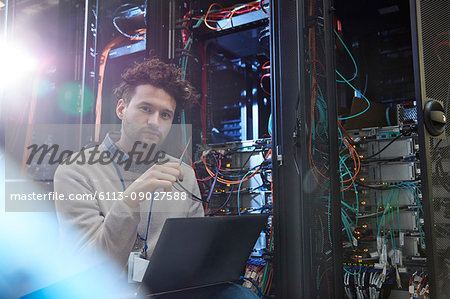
<point x="148" y="98"/>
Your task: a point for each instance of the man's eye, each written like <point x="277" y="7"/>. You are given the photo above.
<point x="145" y="109"/>
<point x="165" y="115"/>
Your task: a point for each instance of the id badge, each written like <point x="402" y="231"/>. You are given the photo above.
<point x="140" y="267"/>
<point x="137" y="266"/>
<point x="131" y="257"/>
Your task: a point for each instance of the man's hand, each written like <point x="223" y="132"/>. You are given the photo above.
<point x="156" y="177"/>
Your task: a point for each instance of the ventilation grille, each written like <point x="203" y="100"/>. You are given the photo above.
<point x="435" y="33"/>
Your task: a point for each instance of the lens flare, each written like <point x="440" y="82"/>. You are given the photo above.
<point x="69" y="99"/>
<point x="15" y="63"/>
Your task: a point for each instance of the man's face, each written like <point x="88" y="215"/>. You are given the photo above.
<point x="147" y="117"/>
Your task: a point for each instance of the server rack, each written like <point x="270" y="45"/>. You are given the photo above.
<point x="307" y="206"/>
<point x="305" y="182"/>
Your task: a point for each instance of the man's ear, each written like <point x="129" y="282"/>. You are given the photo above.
<point x="120" y="109"/>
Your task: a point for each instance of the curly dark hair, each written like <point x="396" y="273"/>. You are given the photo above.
<point x="160" y="75"/>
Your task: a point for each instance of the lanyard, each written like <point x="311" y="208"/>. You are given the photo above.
<point x="149" y="213"/>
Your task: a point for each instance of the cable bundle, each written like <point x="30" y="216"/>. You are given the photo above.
<point x="227" y="13"/>
<point x="418" y="286"/>
<point x="363" y="282"/>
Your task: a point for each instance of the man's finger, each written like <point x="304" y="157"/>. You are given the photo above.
<point x="165" y="185"/>
<point x="170" y="164"/>
<point x="165" y="176"/>
<point x="176" y="171"/>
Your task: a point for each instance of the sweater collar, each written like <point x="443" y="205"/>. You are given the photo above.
<point x="121" y="158"/>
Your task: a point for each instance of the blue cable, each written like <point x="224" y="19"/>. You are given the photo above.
<point x="239" y="190"/>
<point x="347" y="229"/>
<point x="392" y="228"/>
<point x="409" y="186"/>
<point x="384" y="213"/>
<point x="119" y="175"/>
<point x="269" y="126"/>
<point x="342" y="137"/>
<point x="414" y="190"/>
<point x="212" y="186"/>
<point x="350" y="54"/>
<point x="388" y="120"/>
<point x="342" y="160"/>
<point x="184" y="59"/>
<point x="149" y="213"/>
<point x="364" y="97"/>
<point x="341" y="164"/>
<point x="349" y="207"/>
<point x="349" y="221"/>
<point x="353" y="273"/>
<point x="354" y="186"/>
<point x="254" y="284"/>
<point x="343" y="219"/>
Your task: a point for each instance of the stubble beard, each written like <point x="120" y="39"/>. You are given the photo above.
<point x="136" y="138"/>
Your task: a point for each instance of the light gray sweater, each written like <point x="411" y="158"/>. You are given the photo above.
<point x="110" y="225"/>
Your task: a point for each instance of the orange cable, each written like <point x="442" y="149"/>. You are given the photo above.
<point x="223" y="181"/>
<point x="101" y="73"/>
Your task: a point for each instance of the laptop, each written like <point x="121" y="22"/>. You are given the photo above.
<point x="202" y="251"/>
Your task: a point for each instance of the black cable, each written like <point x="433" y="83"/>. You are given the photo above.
<point x="261" y="4"/>
<point x="255" y="188"/>
<point x="243" y="166"/>
<point x="395" y="159"/>
<point x="123" y="32"/>
<point x="381" y="187"/>
<point x="248" y="159"/>
<point x="385" y="147"/>
<point x="258" y="145"/>
<point x="189" y="192"/>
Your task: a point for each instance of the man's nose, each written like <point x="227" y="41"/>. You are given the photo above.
<point x="153" y="119"/>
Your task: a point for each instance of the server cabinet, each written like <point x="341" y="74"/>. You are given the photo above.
<point x="307" y="208"/>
